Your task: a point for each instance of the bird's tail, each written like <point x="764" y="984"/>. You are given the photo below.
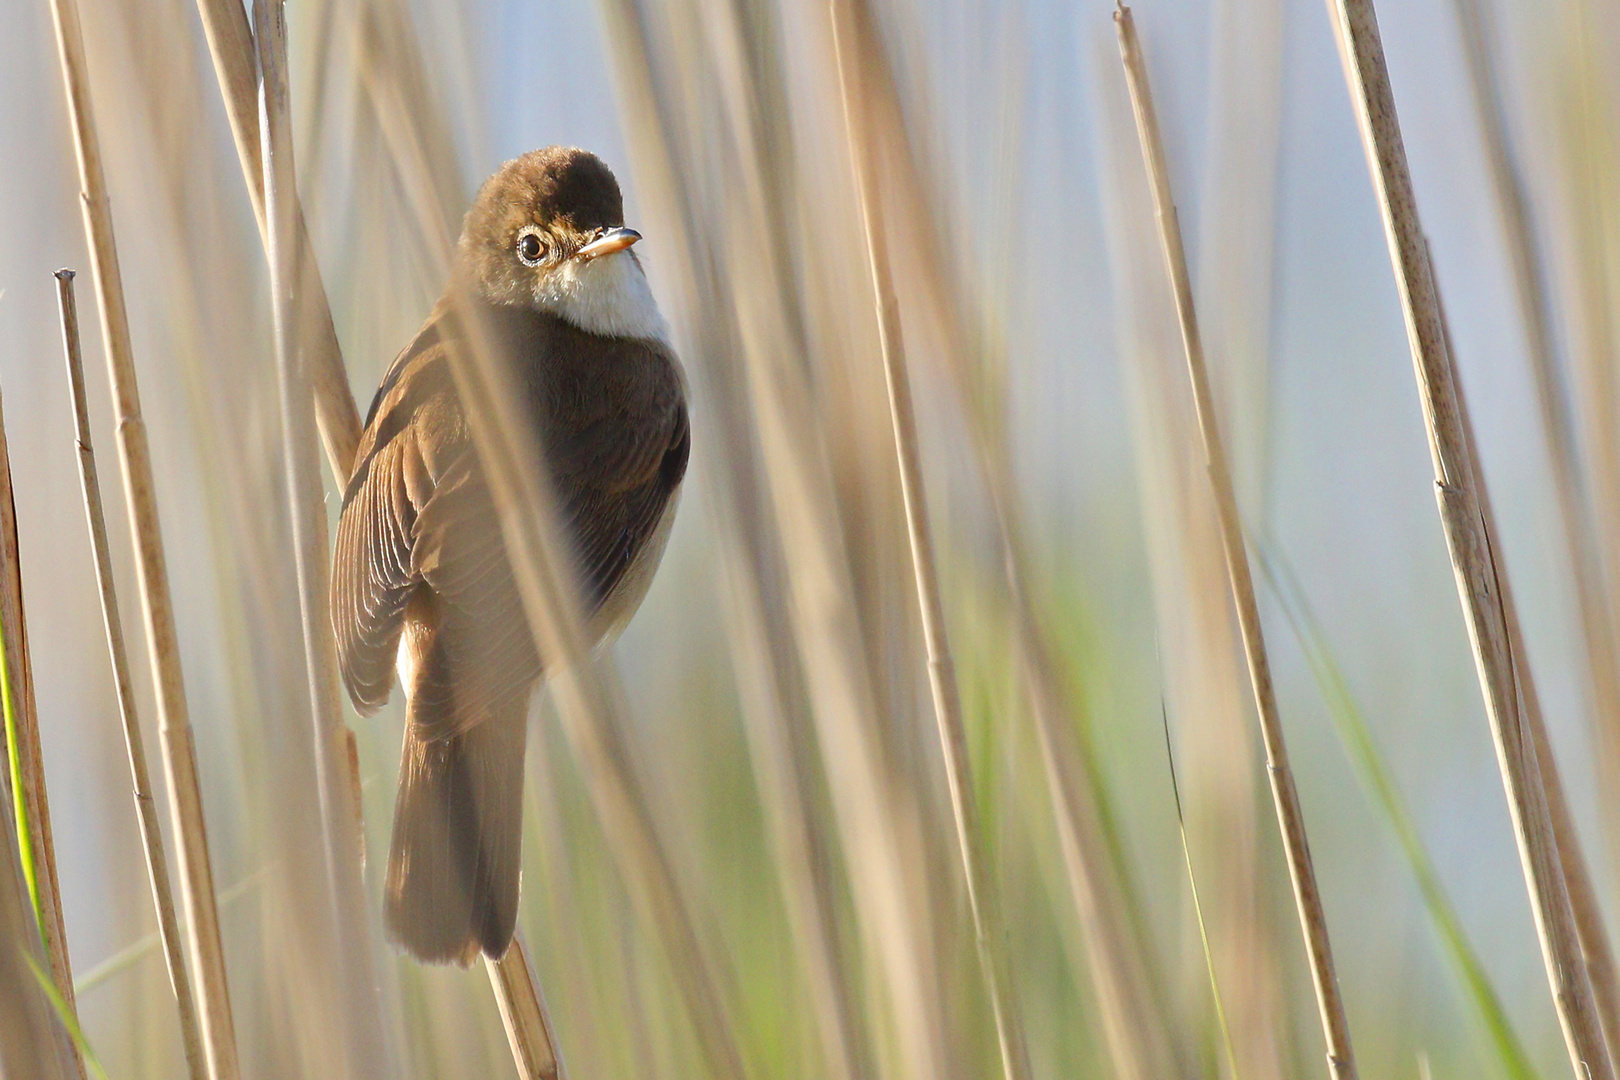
<point x="455" y="860"/>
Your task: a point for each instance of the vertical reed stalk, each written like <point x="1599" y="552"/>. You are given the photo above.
<point x="356" y="987"/>
<point x="180" y="758"/>
<point x="1583" y="899"/>
<point x="990" y="931"/>
<point x="1468" y="536"/>
<point x="543" y="569"/>
<point x="1132" y="1013"/>
<point x="33" y="1043"/>
<point x="1290" y="816"/>
<point x="1133" y="1017"/>
<point x="1597" y="627"/>
<point x="1598" y="638"/>
<point x="524" y="1015"/>
<point x="746" y="295"/>
<point x="230" y="43"/>
<point x="26" y="757"/>
<point x="146" y="810"/>
<point x="771" y="674"/>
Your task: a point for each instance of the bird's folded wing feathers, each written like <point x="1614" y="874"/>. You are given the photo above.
<point x="419" y="512"/>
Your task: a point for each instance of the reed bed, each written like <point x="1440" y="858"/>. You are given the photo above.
<point x="875" y="785"/>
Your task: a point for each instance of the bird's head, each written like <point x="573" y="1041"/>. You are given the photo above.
<point x="547" y="231"/>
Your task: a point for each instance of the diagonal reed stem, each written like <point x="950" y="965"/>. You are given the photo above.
<point x="32" y="1043"/>
<point x="174" y="723"/>
<point x="543" y="568"/>
<point x="1290" y="815"/>
<point x="1584" y="905"/>
<point x="990" y="931"/>
<point x="1469" y="536"/>
<point x="27" y="816"/>
<point x="25" y="755"/>
<point x="524" y="1014"/>
<point x="230" y="43"/>
<point x="146" y="810"/>
<point x="1558" y="427"/>
<point x="357" y="998"/>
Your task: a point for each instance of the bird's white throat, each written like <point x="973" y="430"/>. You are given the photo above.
<point x="607" y="295"/>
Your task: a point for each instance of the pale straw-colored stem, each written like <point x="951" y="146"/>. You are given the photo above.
<point x="230" y="43"/>
<point x="748" y="290"/>
<point x="771" y="675"/>
<point x="1468" y="536"/>
<point x="984" y="902"/>
<point x="146" y="809"/>
<point x="1132" y="1014"/>
<point x="174" y="722"/>
<point x="1597" y="627"/>
<point x="358" y="1000"/>
<point x="1598" y="639"/>
<point x="1583" y="899"/>
<point x="30" y="761"/>
<point x="523" y="1013"/>
<point x="543" y="568"/>
<point x="1290" y="815"/>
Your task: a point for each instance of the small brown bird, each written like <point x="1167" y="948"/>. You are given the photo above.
<point x="420" y="576"/>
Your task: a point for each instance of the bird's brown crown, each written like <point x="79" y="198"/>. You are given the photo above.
<point x="564" y="195"/>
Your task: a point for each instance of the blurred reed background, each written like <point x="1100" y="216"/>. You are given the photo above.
<point x="772" y="696"/>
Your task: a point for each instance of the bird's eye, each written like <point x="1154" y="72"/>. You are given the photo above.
<point x="530" y="248"/>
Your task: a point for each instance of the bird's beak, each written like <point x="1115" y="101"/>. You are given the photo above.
<point x="606" y="244"/>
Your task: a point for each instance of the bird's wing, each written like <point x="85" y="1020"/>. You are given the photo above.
<point x="614" y="482"/>
<point x="373" y="563"/>
<point x="419" y="539"/>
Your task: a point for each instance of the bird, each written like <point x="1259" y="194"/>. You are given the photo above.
<point x="421" y="584"/>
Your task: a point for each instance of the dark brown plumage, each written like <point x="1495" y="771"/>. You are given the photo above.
<point x="420" y="574"/>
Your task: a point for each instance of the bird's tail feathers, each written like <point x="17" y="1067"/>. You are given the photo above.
<point x="455" y="860"/>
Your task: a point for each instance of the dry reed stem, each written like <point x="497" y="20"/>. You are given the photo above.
<point x="1133" y="1015"/>
<point x="343" y="844"/>
<point x="1290" y="815"/>
<point x="33" y="1043"/>
<point x="748" y="278"/>
<point x="772" y="678"/>
<point x="1597" y="627"/>
<point x="984" y="901"/>
<point x="523" y="1013"/>
<point x="180" y="759"/>
<point x="230" y="43"/>
<point x="30" y="758"/>
<point x="771" y="683"/>
<point x="543" y="568"/>
<point x="1234" y="261"/>
<point x="1468" y="536"/>
<point x="146" y="810"/>
<point x="1598" y="638"/>
<point x="1584" y="904"/>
